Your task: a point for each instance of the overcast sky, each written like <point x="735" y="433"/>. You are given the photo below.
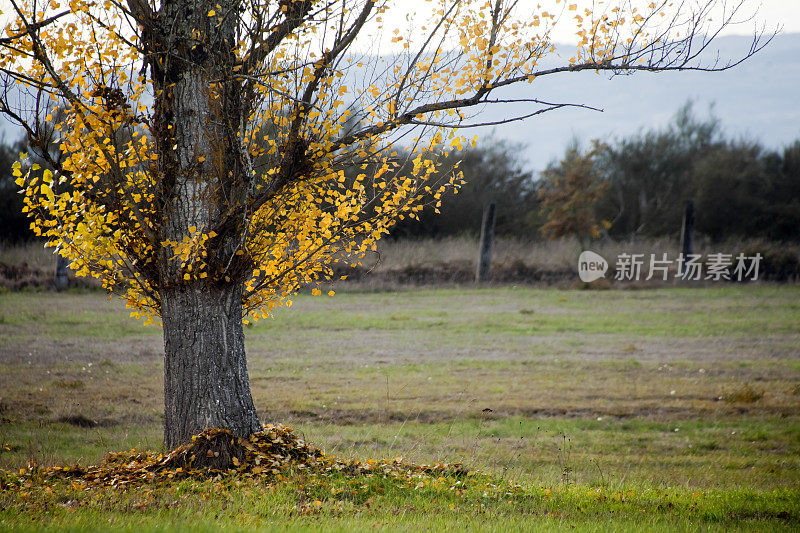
<point x="769" y="13"/>
<point x="774" y="12"/>
<point x="777" y="128"/>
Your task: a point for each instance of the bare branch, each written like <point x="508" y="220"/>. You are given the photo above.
<point x="30" y="28"/>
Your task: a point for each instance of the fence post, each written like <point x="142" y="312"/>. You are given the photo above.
<point x="487" y="235"/>
<point x="687" y="231"/>
<point x="61" y="273"/>
<point x="687" y="234"/>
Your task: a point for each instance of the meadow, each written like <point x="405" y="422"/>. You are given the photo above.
<point x="653" y="409"/>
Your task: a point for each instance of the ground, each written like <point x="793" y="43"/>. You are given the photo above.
<point x="653" y="409"/>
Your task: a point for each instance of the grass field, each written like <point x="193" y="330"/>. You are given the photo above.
<point x="641" y="409"/>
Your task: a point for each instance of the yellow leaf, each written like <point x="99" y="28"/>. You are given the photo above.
<point x="48" y="192"/>
<point x="212" y="13"/>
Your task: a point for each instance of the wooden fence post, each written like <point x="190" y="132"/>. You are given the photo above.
<point x="687" y="235"/>
<point x="687" y="231"/>
<point x="61" y="273"/>
<point x="487" y="235"/>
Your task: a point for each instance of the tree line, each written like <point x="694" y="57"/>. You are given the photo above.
<point x="634" y="186"/>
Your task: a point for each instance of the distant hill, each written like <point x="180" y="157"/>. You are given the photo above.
<point x="756" y="100"/>
<point x="759" y="99"/>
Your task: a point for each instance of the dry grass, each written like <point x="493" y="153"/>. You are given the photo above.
<point x="549" y="255"/>
<point x="33" y="254"/>
<point x="594" y="410"/>
<point x="453" y="260"/>
<point x="744" y="394"/>
<point x="411" y="374"/>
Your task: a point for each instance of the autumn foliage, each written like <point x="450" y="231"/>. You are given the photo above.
<point x="311" y="141"/>
<point x="268" y="454"/>
<point x="569" y="196"/>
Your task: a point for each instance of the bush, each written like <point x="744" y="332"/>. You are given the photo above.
<point x="14" y="225"/>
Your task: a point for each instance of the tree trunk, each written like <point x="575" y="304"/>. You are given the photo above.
<point x="205" y="368"/>
<point x="204" y="177"/>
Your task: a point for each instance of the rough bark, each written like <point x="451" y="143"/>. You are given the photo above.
<point x="205" y="170"/>
<point x="205" y="369"/>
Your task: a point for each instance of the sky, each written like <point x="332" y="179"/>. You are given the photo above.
<point x="755" y="101"/>
<point x="771" y="13"/>
<point x="785" y="13"/>
<point x="652" y="106"/>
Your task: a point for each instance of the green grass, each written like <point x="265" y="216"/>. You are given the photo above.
<point x="730" y="311"/>
<point x="610" y="410"/>
<point x="80" y="314"/>
<point x="338" y="503"/>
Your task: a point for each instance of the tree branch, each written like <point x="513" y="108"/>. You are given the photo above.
<point x="29" y="28"/>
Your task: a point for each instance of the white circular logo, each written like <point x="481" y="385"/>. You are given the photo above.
<point x="591" y="266"/>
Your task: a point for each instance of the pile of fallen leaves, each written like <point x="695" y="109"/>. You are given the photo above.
<point x="273" y="452"/>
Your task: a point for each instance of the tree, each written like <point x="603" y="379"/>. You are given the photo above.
<point x="492" y="173"/>
<point x="740" y="189"/>
<point x="569" y="193"/>
<point x="651" y="175"/>
<point x="743" y="191"/>
<point x="14" y="226"/>
<point x="730" y="187"/>
<point x="181" y="220"/>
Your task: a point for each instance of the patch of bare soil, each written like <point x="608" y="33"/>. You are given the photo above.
<point x="82" y="421"/>
<point x="45" y="352"/>
<point x="353" y="417"/>
<point x="710" y="406"/>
